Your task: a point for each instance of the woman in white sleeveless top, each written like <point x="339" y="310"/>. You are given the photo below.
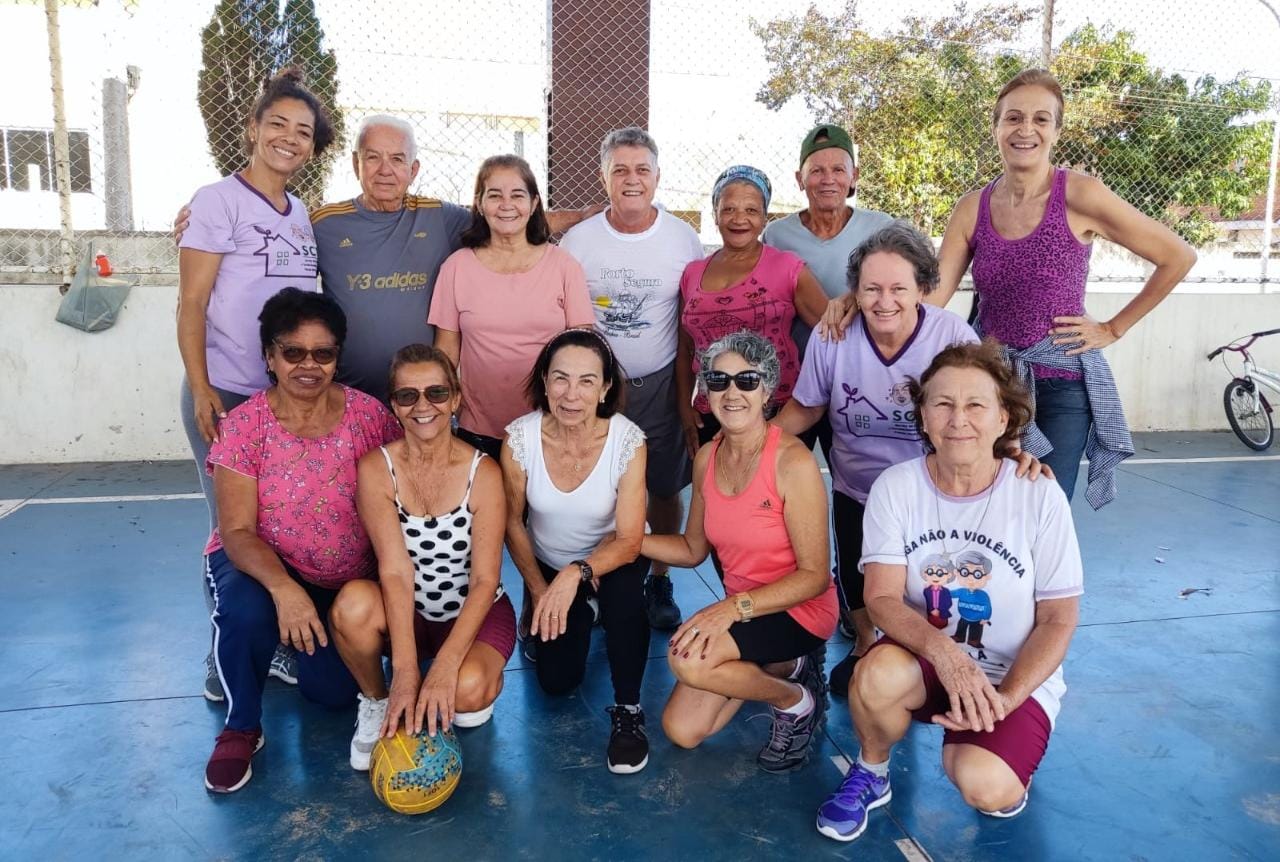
<point x="578" y="466"/>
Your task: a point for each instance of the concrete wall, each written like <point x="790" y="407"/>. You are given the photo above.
<point x="66" y="395"/>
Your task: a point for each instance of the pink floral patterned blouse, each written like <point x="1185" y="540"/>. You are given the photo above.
<point x="306" y="486"/>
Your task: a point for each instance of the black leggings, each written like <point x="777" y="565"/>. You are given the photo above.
<point x="846" y="520"/>
<point x="563" y="662"/>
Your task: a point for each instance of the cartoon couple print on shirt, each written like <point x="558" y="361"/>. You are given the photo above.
<point x="971" y="571"/>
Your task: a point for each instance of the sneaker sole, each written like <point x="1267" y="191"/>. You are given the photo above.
<point x="248" y="773"/>
<point x="831" y="832"/>
<point x="214" y="698"/>
<point x="359" y="760"/>
<point x="1005" y="815"/>
<point x="628" y="769"/>
<point x="283" y="677"/>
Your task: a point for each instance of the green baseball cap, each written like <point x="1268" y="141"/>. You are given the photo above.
<point x="825" y="136"/>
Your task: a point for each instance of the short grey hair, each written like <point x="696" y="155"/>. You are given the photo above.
<point x="900" y="238"/>
<point x="631" y="136"/>
<point x="756" y="350"/>
<point x="374" y="121"/>
<point x="973" y="558"/>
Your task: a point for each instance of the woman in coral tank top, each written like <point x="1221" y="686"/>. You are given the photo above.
<point x="1028" y="235"/>
<point x="760" y="502"/>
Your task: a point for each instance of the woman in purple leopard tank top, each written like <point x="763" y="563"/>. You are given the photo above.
<point x="1028" y="235"/>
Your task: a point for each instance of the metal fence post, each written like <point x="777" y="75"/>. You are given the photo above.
<point x="1046" y="36"/>
<point x="61" y="142"/>
<point x="1269" y="208"/>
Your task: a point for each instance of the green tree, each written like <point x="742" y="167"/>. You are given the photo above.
<point x="918" y="101"/>
<point x="242" y="46"/>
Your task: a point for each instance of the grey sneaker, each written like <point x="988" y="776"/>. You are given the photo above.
<point x="788" y="745"/>
<point x="213" y="691"/>
<point x="284" y="665"/>
<point x="660" y="603"/>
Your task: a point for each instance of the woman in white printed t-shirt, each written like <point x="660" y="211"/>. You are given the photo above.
<point x="974" y="577"/>
<point x="578" y="466"/>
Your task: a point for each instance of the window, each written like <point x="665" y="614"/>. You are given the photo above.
<point x="23" y="148"/>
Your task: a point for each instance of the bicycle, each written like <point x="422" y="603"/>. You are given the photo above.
<point x="1248" y="410"/>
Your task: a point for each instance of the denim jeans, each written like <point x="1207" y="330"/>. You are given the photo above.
<point x="1063" y="415"/>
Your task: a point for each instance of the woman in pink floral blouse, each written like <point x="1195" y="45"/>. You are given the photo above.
<point x="284" y="472"/>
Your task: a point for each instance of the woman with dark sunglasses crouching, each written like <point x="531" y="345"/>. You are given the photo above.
<point x="760" y="503"/>
<point x="288" y="536"/>
<point x="435" y="511"/>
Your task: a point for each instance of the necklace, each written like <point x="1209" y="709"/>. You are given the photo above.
<point x="742" y="475"/>
<point x="439" y="465"/>
<point x="937" y="510"/>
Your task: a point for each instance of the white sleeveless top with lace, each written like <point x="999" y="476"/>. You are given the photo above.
<point x="568" y="526"/>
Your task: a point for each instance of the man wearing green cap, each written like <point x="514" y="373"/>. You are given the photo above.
<point x="827" y="231"/>
<point x="824" y="234"/>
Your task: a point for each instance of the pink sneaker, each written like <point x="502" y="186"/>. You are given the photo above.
<point x="229" y="766"/>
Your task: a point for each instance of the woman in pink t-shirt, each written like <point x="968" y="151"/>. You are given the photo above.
<point x="760" y="503"/>
<point x="744" y="285"/>
<point x="501" y="297"/>
<point x="284" y="471"/>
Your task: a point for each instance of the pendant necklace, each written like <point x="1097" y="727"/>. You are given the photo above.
<point x="937" y="509"/>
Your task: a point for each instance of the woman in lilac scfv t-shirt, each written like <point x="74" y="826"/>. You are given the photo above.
<point x="872" y="420"/>
<point x="263" y="251"/>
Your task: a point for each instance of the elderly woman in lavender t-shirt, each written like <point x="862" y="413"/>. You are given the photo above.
<point x="860" y="382"/>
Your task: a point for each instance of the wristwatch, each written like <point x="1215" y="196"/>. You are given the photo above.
<point x="585" y="568"/>
<point x="745" y="606"/>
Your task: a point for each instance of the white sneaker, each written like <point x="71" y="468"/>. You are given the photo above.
<point x="473" y="719"/>
<point x="370" y="713"/>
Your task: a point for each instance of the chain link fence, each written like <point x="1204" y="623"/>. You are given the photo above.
<point x="1173" y="109"/>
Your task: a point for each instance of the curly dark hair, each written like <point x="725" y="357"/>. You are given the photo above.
<point x="288" y="84"/>
<point x="987" y="356"/>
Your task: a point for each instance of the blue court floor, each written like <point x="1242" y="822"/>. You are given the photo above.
<point x="1167" y="747"/>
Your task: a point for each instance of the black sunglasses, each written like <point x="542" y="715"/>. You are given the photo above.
<point x="718" y="381"/>
<point x="293" y="354"/>
<point x="408" y="396"/>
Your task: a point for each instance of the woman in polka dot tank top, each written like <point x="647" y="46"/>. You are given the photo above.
<point x="435" y="510"/>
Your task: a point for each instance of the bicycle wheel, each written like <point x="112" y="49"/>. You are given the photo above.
<point x="1251" y="424"/>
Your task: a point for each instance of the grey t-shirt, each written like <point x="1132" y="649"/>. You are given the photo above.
<point x="827" y="259"/>
<point x="381" y="268"/>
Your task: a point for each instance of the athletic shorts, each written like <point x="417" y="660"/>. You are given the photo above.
<point x="773" y="638"/>
<point x="651" y="404"/>
<point x="498" y="631"/>
<point x="1020" y="740"/>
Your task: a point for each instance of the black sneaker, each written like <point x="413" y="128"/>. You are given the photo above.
<point x="813" y="677"/>
<point x="788" y="745"/>
<point x="842" y="675"/>
<point x="660" y="603"/>
<point x="628" y="744"/>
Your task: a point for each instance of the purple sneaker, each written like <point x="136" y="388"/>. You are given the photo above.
<point x="844" y="815"/>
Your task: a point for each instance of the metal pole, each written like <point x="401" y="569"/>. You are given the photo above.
<point x="1046" y="36"/>
<point x="61" y="142"/>
<point x="1269" y="210"/>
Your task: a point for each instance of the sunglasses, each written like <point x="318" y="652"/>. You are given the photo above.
<point x="409" y="396"/>
<point x="718" y="381"/>
<point x="294" y="355"/>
